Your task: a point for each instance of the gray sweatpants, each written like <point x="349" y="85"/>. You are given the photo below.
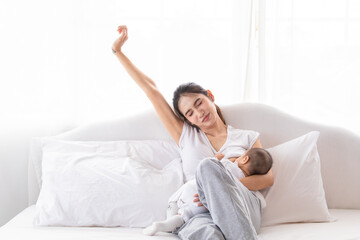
<point x="234" y="211"/>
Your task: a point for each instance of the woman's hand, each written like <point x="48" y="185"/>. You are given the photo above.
<point x="197" y="199"/>
<point x="119" y="42"/>
<point x="219" y="156"/>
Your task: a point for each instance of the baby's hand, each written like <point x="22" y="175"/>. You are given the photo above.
<point x="219" y="156"/>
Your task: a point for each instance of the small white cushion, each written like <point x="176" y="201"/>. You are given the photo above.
<point x="297" y="194"/>
<point x="107" y="183"/>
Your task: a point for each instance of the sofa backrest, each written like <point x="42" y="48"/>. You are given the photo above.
<point x="339" y="149"/>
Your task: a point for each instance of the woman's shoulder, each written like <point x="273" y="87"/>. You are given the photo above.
<point x="236" y="129"/>
<point x="189" y="134"/>
<point x="186" y="128"/>
<point x="238" y="132"/>
<point x="189" y="128"/>
<point x="232" y="129"/>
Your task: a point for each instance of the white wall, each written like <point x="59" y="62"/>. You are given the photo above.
<point x="13" y="172"/>
<point x="14" y="148"/>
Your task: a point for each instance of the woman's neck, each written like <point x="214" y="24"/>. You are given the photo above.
<point x="218" y="129"/>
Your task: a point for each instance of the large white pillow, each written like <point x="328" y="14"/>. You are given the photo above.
<point x="297" y="194"/>
<point x="124" y="183"/>
<point x="155" y="152"/>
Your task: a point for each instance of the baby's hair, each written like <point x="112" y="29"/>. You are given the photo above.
<point x="260" y="161"/>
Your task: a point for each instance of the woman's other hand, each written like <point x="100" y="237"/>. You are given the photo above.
<point x="197" y="199"/>
<point x="119" y="42"/>
<point x="219" y="156"/>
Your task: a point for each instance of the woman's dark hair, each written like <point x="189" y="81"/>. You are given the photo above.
<point x="191" y="88"/>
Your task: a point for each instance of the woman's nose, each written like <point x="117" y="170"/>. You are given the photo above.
<point x="200" y="114"/>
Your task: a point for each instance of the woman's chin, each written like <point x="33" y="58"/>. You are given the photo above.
<point x="207" y="124"/>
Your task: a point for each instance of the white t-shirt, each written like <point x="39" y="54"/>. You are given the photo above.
<point x="195" y="146"/>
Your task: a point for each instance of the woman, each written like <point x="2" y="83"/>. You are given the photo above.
<point x="200" y="131"/>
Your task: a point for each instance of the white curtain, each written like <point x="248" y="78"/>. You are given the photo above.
<point x="58" y="69"/>
<point x="310" y="59"/>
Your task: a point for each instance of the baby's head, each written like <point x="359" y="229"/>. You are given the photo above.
<point x="255" y="161"/>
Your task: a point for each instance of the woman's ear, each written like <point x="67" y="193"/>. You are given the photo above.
<point x="210" y="95"/>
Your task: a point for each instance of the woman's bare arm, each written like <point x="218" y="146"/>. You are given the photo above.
<point x="258" y="182"/>
<point x="172" y="123"/>
<point x="257" y="144"/>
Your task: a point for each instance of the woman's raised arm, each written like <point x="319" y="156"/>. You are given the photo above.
<point x="172" y="123"/>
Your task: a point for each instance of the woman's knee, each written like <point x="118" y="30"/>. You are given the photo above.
<point x="207" y="164"/>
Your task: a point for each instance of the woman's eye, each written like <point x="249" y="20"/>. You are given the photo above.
<point x="190" y="114"/>
<point x="199" y="103"/>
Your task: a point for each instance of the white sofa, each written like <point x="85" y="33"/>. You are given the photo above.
<point x="339" y="151"/>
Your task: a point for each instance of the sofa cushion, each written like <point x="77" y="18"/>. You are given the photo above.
<point x="297" y="194"/>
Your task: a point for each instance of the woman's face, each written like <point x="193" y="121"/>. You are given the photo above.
<point x="198" y="109"/>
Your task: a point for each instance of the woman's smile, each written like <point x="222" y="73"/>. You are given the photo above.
<point x="206" y="117"/>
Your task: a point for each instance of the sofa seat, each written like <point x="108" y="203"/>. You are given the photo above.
<point x="347" y="226"/>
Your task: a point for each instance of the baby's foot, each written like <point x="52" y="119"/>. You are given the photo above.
<point x="152" y="229"/>
<point x="168" y="225"/>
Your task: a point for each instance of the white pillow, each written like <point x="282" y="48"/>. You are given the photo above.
<point x="106" y="183"/>
<point x="155" y="152"/>
<point x="297" y="194"/>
